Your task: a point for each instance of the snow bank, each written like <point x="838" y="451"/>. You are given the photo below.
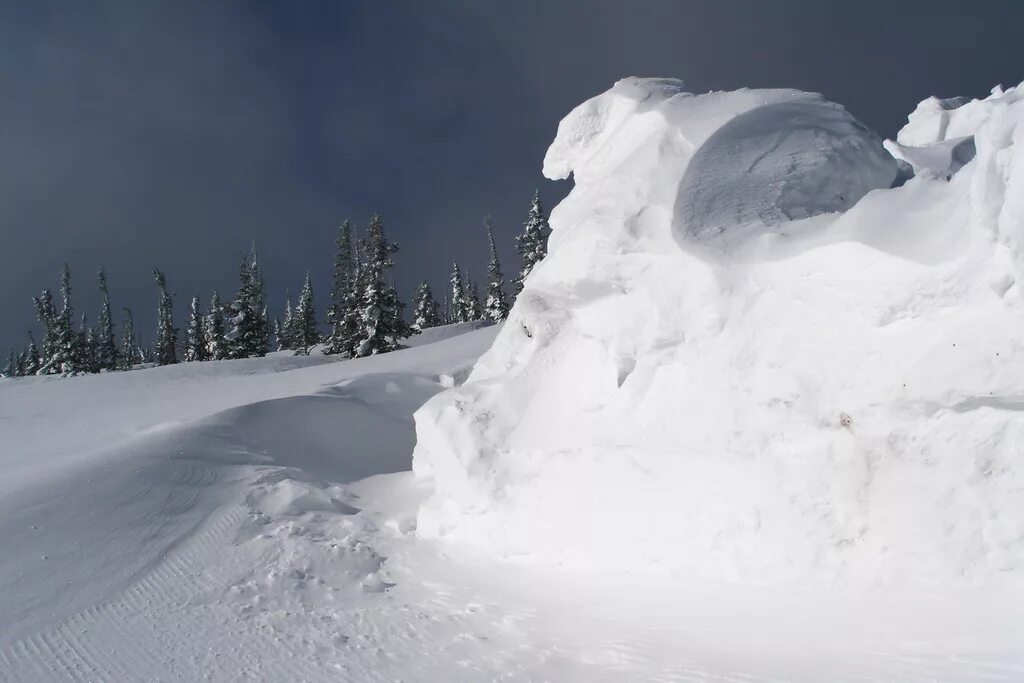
<point x="746" y="357"/>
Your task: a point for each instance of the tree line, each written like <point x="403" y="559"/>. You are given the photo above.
<point x="364" y="317"/>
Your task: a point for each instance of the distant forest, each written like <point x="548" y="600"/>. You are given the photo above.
<point x="365" y="314"/>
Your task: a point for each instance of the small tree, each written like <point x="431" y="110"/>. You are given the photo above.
<point x="341" y="289"/>
<point x="458" y="305"/>
<point x="195" y="340"/>
<point x="474" y="311"/>
<point x="425" y="313"/>
<point x="496" y="306"/>
<point x="249" y="329"/>
<point x="129" y="355"/>
<point x="166" y="334"/>
<point x="532" y="244"/>
<point x="285" y="332"/>
<point x="32" y="363"/>
<point x="13" y="365"/>
<point x="304" y="334"/>
<point x="106" y="346"/>
<point x="215" y="342"/>
<point x="381" y="327"/>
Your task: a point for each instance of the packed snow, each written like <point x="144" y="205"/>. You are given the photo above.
<point x="797" y="374"/>
<point x="756" y="416"/>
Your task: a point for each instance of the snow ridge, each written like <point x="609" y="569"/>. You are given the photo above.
<point x="748" y="356"/>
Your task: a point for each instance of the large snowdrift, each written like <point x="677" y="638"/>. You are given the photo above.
<point x="746" y="357"/>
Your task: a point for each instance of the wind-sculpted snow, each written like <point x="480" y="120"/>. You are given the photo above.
<point x="747" y="357"/>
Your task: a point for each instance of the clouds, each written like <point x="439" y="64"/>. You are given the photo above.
<point x="137" y="133"/>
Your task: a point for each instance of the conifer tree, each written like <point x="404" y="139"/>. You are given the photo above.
<point x="68" y="343"/>
<point x="380" y="324"/>
<point x="11" y="369"/>
<point x="474" y="311"/>
<point x="166" y="334"/>
<point x="303" y="330"/>
<point x="458" y="306"/>
<point x="31" y="356"/>
<point x="286" y="330"/>
<point x="532" y="244"/>
<point x="496" y="306"/>
<point x="216" y="344"/>
<point x="106" y="346"/>
<point x="347" y="339"/>
<point x="129" y="354"/>
<point x="60" y="342"/>
<point x="48" y="316"/>
<point x="425" y="313"/>
<point x="86" y="347"/>
<point x="249" y="332"/>
<point x="341" y="288"/>
<point x="195" y="340"/>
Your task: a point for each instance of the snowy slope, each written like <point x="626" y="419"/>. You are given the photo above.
<point x="238" y="545"/>
<point x="737" y="374"/>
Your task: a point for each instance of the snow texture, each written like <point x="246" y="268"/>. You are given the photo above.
<point x="748" y="357"/>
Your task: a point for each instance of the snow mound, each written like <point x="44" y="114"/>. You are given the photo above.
<point x="747" y="358"/>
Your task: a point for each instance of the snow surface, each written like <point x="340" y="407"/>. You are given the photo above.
<point x="243" y="543"/>
<point x="833" y="399"/>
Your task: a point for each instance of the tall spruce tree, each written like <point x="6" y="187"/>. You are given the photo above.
<point x="532" y="244"/>
<point x="304" y="333"/>
<point x="129" y="354"/>
<point x="474" y="311"/>
<point x="341" y="289"/>
<point x="215" y="342"/>
<point x="458" y="307"/>
<point x="496" y="306"/>
<point x="425" y="313"/>
<point x="381" y="327"/>
<point x="106" y="345"/>
<point x="249" y="332"/>
<point x="195" y="339"/>
<point x="165" y="349"/>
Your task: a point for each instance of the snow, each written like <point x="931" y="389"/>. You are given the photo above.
<point x="711" y="376"/>
<point x="269" y="533"/>
<point x="729" y="432"/>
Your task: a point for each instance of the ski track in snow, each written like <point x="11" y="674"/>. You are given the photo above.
<point x="210" y="551"/>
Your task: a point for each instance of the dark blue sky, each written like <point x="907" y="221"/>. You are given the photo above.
<point x="139" y="133"/>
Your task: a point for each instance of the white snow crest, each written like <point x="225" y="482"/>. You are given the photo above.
<point x="747" y="357"/>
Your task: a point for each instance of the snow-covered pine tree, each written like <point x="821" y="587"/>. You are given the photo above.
<point x="60" y="343"/>
<point x="381" y="327"/>
<point x="458" y="306"/>
<point x="425" y="313"/>
<point x="249" y="332"/>
<point x="129" y="354"/>
<point x="106" y="346"/>
<point x="11" y="369"/>
<point x="304" y="333"/>
<point x="195" y="339"/>
<point x="474" y="311"/>
<point x="31" y="355"/>
<point x="496" y="306"/>
<point x="85" y="350"/>
<point x="532" y="244"/>
<point x="216" y="344"/>
<point x="341" y="289"/>
<point x="48" y="317"/>
<point x="166" y="334"/>
<point x="286" y="332"/>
